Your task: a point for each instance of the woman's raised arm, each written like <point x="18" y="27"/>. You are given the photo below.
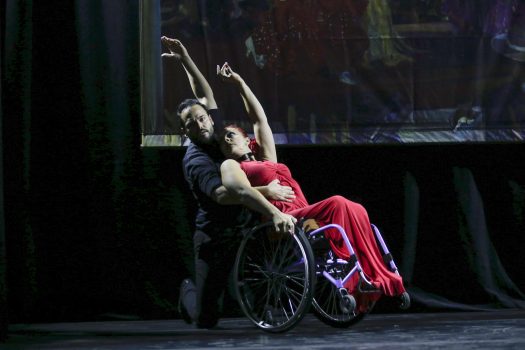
<point x="261" y="127"/>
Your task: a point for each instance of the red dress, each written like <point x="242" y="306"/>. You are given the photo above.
<point x="334" y="210"/>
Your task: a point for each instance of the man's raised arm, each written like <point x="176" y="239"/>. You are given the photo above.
<point x="199" y="85"/>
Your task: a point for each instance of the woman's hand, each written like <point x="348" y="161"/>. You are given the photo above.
<point x="227" y="74"/>
<point x="177" y="50"/>
<point x="278" y="192"/>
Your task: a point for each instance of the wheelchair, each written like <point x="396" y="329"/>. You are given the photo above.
<point x="278" y="277"/>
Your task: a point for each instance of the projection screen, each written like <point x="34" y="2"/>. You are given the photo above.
<point x="344" y="71"/>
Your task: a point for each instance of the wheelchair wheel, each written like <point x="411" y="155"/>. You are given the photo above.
<point x="332" y="305"/>
<point x="274" y="278"/>
<point x="334" y="309"/>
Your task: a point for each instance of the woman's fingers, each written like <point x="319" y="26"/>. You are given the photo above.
<point x="223" y="71"/>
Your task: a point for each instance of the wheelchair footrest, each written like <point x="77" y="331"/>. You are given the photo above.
<point x="365" y="287"/>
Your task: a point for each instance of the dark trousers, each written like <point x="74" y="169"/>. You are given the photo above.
<point x="214" y="259"/>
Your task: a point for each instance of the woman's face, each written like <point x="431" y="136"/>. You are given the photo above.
<point x="234" y="144"/>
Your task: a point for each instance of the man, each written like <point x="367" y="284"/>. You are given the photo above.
<point x="219" y="213"/>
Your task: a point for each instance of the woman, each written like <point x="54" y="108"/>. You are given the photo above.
<point x="256" y="161"/>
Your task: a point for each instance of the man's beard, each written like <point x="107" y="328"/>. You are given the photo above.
<point x="206" y="138"/>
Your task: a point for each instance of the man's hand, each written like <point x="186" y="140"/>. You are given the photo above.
<point x="283" y="223"/>
<point x="278" y="192"/>
<point x="227" y="74"/>
<point x="177" y="50"/>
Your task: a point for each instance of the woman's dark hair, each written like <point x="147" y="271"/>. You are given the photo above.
<point x="188" y="103"/>
<point x="235" y="126"/>
<point x="254" y="146"/>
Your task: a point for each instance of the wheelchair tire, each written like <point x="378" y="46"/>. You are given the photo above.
<point x="331" y="309"/>
<point x="274" y="278"/>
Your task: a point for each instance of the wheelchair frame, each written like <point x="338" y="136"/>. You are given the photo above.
<point x="288" y="288"/>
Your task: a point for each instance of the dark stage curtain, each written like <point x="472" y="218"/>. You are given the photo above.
<point x="95" y="226"/>
<point x="98" y="228"/>
<point x="3" y="267"/>
<point x="453" y="215"/>
<point x="15" y="75"/>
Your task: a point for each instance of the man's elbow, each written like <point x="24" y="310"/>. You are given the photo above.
<point x="236" y="192"/>
<point x="233" y="183"/>
<point x="224" y="196"/>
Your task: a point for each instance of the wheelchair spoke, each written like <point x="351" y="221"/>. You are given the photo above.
<point x="290" y="307"/>
<point x="293" y="294"/>
<point x="274" y="275"/>
<point x="298" y="281"/>
<point x="258" y="269"/>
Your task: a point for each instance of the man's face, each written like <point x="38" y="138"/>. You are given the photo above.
<point x="197" y="124"/>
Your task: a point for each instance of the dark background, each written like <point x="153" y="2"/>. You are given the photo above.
<point x="94" y="227"/>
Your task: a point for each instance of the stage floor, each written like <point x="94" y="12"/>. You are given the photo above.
<point x="504" y="329"/>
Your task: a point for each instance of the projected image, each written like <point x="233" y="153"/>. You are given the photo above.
<point x="345" y="71"/>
